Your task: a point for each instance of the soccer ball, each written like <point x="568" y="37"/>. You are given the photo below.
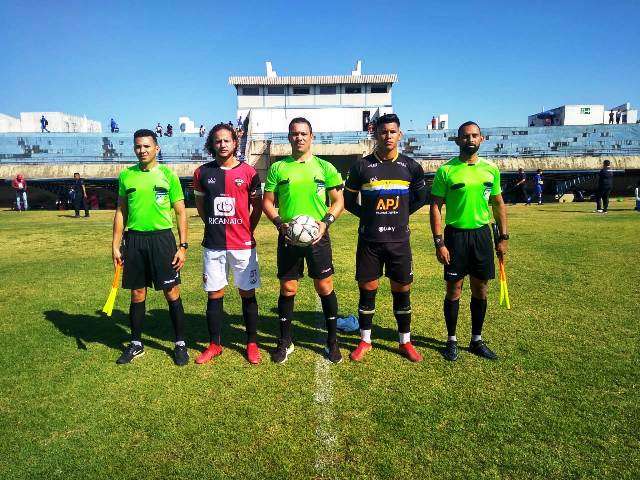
<point x="302" y="230"/>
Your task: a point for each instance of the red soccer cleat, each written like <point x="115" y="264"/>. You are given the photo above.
<point x="253" y="354"/>
<point x="407" y="350"/>
<point x="362" y="348"/>
<point x="213" y="350"/>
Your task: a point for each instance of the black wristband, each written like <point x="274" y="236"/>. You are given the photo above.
<point x="438" y="241"/>
<point x="328" y="219"/>
<point x="277" y="222"/>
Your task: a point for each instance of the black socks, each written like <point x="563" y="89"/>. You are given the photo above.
<point x="285" y="314"/>
<point x="136" y="316"/>
<point x="330" y="310"/>
<point x="250" y="315"/>
<point x="214" y="318"/>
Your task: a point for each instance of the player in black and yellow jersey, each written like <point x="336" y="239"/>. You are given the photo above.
<point x="391" y="187"/>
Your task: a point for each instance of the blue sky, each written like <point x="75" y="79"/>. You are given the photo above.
<point x="144" y="62"/>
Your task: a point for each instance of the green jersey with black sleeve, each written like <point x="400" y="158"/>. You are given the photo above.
<point x="466" y="189"/>
<point x="150" y="197"/>
<point x="301" y="186"/>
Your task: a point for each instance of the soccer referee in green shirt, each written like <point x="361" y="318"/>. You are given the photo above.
<point x="301" y="183"/>
<point x="146" y="194"/>
<point x="465" y="184"/>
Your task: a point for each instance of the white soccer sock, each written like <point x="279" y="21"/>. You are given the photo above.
<point x="136" y="343"/>
<point x="180" y="343"/>
<point x="404" y="337"/>
<point x="365" y="336"/>
<point x="475" y="338"/>
<point x="452" y="338"/>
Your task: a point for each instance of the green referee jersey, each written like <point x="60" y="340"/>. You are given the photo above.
<point x="466" y="190"/>
<point x="150" y="196"/>
<point x="301" y="186"/>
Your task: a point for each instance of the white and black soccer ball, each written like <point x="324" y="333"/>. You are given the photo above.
<point x="302" y="230"/>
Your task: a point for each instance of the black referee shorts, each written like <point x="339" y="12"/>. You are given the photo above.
<point x="395" y="257"/>
<point x="471" y="253"/>
<point x="291" y="259"/>
<point x="147" y="260"/>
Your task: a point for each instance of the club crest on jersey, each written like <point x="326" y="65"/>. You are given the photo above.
<point x="238" y="181"/>
<point x="211" y="180"/>
<point x="388" y="203"/>
<point x="224" y="206"/>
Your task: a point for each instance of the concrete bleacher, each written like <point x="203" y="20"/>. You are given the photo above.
<point x="593" y="140"/>
<point x="508" y="141"/>
<point x="88" y="148"/>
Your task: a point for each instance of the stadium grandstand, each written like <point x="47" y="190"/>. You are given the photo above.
<point x="570" y="155"/>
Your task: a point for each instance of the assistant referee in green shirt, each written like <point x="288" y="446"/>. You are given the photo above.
<point x="147" y="192"/>
<point x="465" y="184"/>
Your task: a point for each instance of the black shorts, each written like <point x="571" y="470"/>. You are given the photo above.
<point x="395" y="257"/>
<point x="471" y="253"/>
<point x="147" y="259"/>
<point x="291" y="259"/>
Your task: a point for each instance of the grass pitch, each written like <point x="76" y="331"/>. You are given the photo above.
<point x="561" y="402"/>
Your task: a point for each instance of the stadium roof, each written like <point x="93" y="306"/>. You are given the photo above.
<point x="314" y="80"/>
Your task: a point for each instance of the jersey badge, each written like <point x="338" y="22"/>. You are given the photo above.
<point x="224" y="206"/>
<point x="238" y="181"/>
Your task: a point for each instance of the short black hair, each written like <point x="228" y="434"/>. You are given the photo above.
<point x="539" y="170"/>
<point x="607" y="163"/>
<point x="144" y="132"/>
<point x="209" y="142"/>
<point x="466" y="124"/>
<point x="76" y="173"/>
<point x="300" y="120"/>
<point x="388" y="118"/>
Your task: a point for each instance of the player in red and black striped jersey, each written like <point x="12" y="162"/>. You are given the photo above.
<point x="391" y="187"/>
<point x="229" y="201"/>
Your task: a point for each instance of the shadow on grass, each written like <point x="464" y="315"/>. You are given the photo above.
<point x="114" y="331"/>
<point x="308" y="331"/>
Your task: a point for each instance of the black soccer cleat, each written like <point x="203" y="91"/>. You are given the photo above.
<point x="180" y="355"/>
<point x="480" y="348"/>
<point x="284" y="348"/>
<point x="333" y="352"/>
<point x="450" y="352"/>
<point x="132" y="351"/>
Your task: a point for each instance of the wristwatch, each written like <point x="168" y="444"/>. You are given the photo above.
<point x="503" y="236"/>
<point x="184" y="245"/>
<point x="328" y="219"/>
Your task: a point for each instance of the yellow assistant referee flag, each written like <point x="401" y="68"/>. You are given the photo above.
<point x="111" y="299"/>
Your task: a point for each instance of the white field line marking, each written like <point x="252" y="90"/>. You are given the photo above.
<point x="323" y="397"/>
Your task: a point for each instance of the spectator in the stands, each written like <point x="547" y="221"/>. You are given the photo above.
<point x="114" y="126"/>
<point x="43" y="125"/>
<point x="169" y="130"/>
<point x="202" y="130"/>
<point x="618" y="116"/>
<point x="159" y="130"/>
<point x="610" y="117"/>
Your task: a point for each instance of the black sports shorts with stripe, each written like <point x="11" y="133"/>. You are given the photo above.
<point x="147" y="260"/>
<point x="470" y="252"/>
<point x="291" y="259"/>
<point x="395" y="257"/>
